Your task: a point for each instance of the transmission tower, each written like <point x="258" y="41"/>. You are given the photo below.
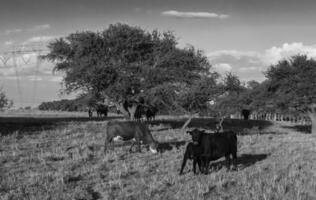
<point x="17" y="55"/>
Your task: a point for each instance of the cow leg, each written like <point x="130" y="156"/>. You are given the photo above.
<point x="227" y="161"/>
<point x="185" y="158"/>
<point x="138" y="143"/>
<point x="195" y="161"/>
<point x="207" y="166"/>
<point x="131" y="148"/>
<point x="108" y="142"/>
<point x="199" y="164"/>
<point x="234" y="161"/>
<point x="202" y="167"/>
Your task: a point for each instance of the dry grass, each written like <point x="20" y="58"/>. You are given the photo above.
<point x="68" y="162"/>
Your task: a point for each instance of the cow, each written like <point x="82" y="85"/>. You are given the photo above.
<point x="192" y="152"/>
<point x="139" y="113"/>
<point x="245" y="113"/>
<point x="90" y="113"/>
<point x="215" y="146"/>
<point x="102" y="110"/>
<point x="127" y="130"/>
<point x="151" y="112"/>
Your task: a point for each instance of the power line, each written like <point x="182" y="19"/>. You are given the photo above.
<point x="19" y="51"/>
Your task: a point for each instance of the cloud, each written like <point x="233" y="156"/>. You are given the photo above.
<point x="8" y="43"/>
<point x="40" y="39"/>
<point x="10" y="31"/>
<point x="247" y="69"/>
<point x="249" y="65"/>
<point x="222" y="67"/>
<point x="56" y="79"/>
<point x="40" y="27"/>
<point x="286" y="51"/>
<point x="137" y="9"/>
<point x="200" y="15"/>
<point x="35" y="28"/>
<point x="236" y="54"/>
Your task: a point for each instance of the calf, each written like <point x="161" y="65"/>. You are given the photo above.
<point x="192" y="152"/>
<point x="215" y="146"/>
<point x="130" y="130"/>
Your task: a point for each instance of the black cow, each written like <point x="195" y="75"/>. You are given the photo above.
<point x="215" y="146"/>
<point x="127" y="130"/>
<point x="192" y="152"/>
<point x="245" y="113"/>
<point x="151" y="113"/>
<point x="102" y="110"/>
<point x="90" y="113"/>
<point x="139" y="113"/>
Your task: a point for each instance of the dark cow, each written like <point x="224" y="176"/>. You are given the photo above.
<point x="129" y="130"/>
<point x="245" y="113"/>
<point x="192" y="152"/>
<point x="215" y="146"/>
<point x="102" y="110"/>
<point x="151" y="112"/>
<point x="139" y="112"/>
<point x="90" y="113"/>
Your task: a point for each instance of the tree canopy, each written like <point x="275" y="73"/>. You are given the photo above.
<point x="291" y="83"/>
<point x="128" y="62"/>
<point x="290" y="87"/>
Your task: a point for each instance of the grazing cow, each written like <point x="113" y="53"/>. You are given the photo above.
<point x="151" y="113"/>
<point x="215" y="146"/>
<point x="102" y="110"/>
<point x="192" y="152"/>
<point x="130" y="130"/>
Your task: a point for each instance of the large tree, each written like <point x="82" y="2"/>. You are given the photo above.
<point x="126" y="62"/>
<point x="231" y="96"/>
<point x="291" y="86"/>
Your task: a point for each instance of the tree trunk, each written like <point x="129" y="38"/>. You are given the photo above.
<point x="121" y="108"/>
<point x="187" y="123"/>
<point x="312" y="116"/>
<point x="132" y="111"/>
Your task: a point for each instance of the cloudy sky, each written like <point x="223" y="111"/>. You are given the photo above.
<point x="242" y="36"/>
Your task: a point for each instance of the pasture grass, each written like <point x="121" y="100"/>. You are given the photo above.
<point x="68" y="162"/>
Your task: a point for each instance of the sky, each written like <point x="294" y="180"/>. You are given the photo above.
<point x="241" y="36"/>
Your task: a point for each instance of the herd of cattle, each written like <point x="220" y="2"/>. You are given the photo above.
<point x="204" y="147"/>
<point x="149" y="112"/>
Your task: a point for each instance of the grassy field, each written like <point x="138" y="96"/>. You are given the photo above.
<point x="64" y="159"/>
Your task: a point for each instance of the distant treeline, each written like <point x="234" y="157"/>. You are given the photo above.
<point x="63" y="105"/>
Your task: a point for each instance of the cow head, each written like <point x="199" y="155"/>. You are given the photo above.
<point x="153" y="147"/>
<point x="196" y="135"/>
